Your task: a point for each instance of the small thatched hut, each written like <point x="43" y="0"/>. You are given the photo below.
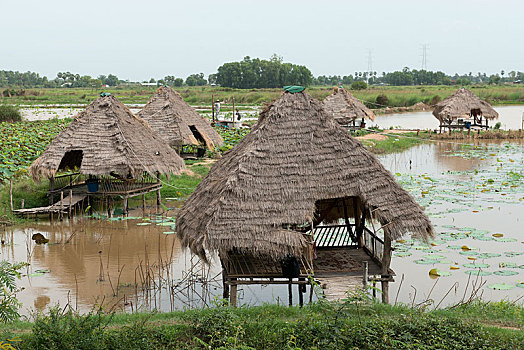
<point x="292" y="184"/>
<point x="177" y="122"/>
<point x="464" y="109"/>
<point x="115" y="149"/>
<point x="346" y="108"/>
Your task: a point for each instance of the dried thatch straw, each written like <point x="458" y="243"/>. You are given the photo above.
<point x="107" y="138"/>
<point x="294" y="157"/>
<point x="462" y="104"/>
<point x="345" y="107"/>
<point x="172" y="118"/>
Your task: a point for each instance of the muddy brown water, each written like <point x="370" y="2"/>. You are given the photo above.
<point x="510" y="117"/>
<point x="134" y="265"/>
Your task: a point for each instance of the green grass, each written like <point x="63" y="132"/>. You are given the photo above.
<point x="10" y="114"/>
<point x="323" y="325"/>
<point x="394" y="143"/>
<point x="399" y="96"/>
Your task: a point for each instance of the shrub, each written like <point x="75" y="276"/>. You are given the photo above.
<point x="9" y="304"/>
<point x="434" y="100"/>
<point x="9" y="114"/>
<point x="359" y="85"/>
<point x="497" y="126"/>
<point x="382" y="100"/>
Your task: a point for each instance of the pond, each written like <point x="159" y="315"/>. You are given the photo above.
<point x="474" y="195"/>
<point x="510" y="117"/>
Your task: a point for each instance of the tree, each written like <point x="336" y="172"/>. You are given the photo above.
<point x="359" y="85"/>
<point x="178" y="82"/>
<point x="196" y="80"/>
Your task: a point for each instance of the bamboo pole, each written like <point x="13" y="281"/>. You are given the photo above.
<point x="233" y="112"/>
<point x="11" y="193"/>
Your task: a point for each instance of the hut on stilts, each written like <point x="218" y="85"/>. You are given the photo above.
<point x="179" y="124"/>
<point x="298" y="198"/>
<point x="464" y="110"/>
<point x="107" y="152"/>
<point x="347" y="109"/>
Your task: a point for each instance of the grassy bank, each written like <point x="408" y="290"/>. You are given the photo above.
<point x="398" y="96"/>
<point x="320" y="326"/>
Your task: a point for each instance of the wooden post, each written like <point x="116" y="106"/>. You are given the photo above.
<point x="22" y="205"/>
<point x="125" y="206"/>
<point x="225" y="285"/>
<point x="300" y="293"/>
<point x="51" y="189"/>
<point x="233" y="294"/>
<point x="365" y="273"/>
<point x="290" y="292"/>
<point x="233" y="112"/>
<point x="386" y="260"/>
<point x="144" y="203"/>
<point x="61" y="207"/>
<point x="213" y="108"/>
<point x="70" y="202"/>
<point x="158" y="197"/>
<point x="11" y="192"/>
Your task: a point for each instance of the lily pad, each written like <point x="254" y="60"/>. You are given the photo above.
<point x="501" y="286"/>
<point x="402" y="254"/>
<point x="438" y="273"/>
<point x="427" y="261"/>
<point x="505" y="240"/>
<point x="513" y="254"/>
<point x="505" y="273"/>
<point x="478" y="272"/>
<point x="169" y="232"/>
<point x="143" y="223"/>
<point x="468" y="253"/>
<point x="488" y="255"/>
<point x="476" y="265"/>
<point x="508" y="265"/>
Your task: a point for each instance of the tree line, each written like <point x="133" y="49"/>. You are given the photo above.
<point x="253" y="73"/>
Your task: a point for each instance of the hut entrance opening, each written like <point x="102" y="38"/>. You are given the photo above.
<point x="198" y="136"/>
<point x="71" y="160"/>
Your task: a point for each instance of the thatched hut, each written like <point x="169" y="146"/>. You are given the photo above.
<point x="109" y="147"/>
<point x="464" y="109"/>
<point x="177" y="122"/>
<point x="297" y="182"/>
<point x="346" y="108"/>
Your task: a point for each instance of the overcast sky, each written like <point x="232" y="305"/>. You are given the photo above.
<point x="137" y="40"/>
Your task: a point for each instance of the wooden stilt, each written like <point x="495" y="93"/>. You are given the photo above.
<point x="125" y="206"/>
<point x="365" y="272"/>
<point x="60" y="213"/>
<point x="70" y="203"/>
<point x="386" y="260"/>
<point x="300" y="293"/>
<point x="144" y="204"/>
<point x="225" y="294"/>
<point x="290" y="292"/>
<point x="233" y="295"/>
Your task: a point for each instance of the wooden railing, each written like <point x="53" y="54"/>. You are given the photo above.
<point x="333" y="236"/>
<point x="373" y="244"/>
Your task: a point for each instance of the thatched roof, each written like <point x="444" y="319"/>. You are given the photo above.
<point x="461" y="105"/>
<point x="104" y="138"/>
<point x="294" y="157"/>
<point x="345" y="107"/>
<point x="171" y="117"/>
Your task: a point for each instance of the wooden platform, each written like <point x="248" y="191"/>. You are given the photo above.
<point x="61" y="205"/>
<point x="339" y="270"/>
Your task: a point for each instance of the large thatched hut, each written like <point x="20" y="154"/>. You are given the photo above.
<point x="177" y="122"/>
<point x="106" y="151"/>
<point x="298" y="185"/>
<point x="464" y="109"/>
<point x="346" y="108"/>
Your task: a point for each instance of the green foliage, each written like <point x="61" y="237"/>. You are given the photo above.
<point x="359" y="85"/>
<point x="196" y="80"/>
<point x="9" y="304"/>
<point x="231" y="137"/>
<point x="10" y="114"/>
<point x="23" y="142"/>
<point x="382" y="100"/>
<point x="256" y="73"/>
<point x="356" y="323"/>
<point x="497" y="126"/>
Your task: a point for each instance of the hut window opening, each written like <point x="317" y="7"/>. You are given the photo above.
<point x="71" y="160"/>
<point x="198" y="136"/>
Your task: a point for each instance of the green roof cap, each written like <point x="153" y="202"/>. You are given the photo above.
<point x="294" y="89"/>
<point x="104" y="94"/>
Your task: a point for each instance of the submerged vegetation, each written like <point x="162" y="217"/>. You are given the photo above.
<point x="324" y="325"/>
